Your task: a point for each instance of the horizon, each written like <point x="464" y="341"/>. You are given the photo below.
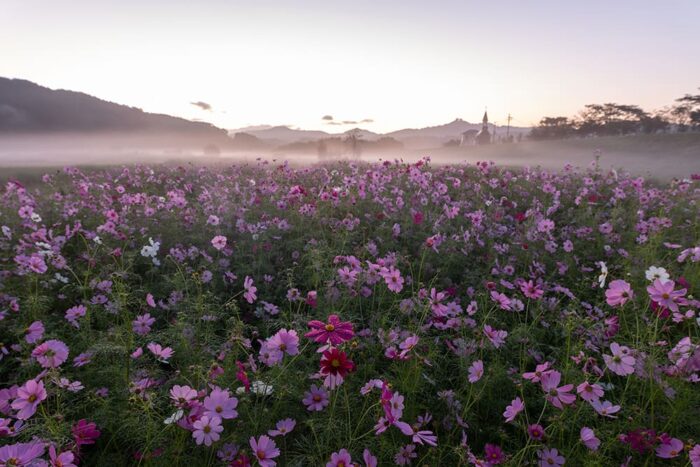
<point x="378" y="67"/>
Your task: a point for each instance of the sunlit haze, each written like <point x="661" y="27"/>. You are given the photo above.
<point x="399" y="64"/>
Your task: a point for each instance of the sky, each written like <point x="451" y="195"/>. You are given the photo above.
<point x="400" y="64"/>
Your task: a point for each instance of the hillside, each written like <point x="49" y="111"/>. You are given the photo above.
<point x="26" y="108"/>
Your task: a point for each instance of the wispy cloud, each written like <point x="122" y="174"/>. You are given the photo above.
<point x="202" y="105"/>
<point x="331" y="121"/>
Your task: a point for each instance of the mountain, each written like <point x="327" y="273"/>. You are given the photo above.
<point x="282" y="134"/>
<point x="27" y="108"/>
<point x="413" y="138"/>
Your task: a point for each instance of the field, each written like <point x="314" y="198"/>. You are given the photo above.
<point x="371" y="313"/>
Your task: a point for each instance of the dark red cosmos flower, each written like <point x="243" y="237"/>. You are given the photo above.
<point x="333" y="332"/>
<point x="84" y="433"/>
<point x="336" y="363"/>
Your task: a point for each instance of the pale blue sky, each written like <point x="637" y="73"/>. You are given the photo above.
<point x="400" y="63"/>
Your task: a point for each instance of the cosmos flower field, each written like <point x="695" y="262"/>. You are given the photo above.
<point x="349" y="314"/>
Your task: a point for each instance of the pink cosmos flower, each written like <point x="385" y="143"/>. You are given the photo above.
<point x="283" y="427"/>
<point x="406" y="455"/>
<point x="516" y="406"/>
<point x="340" y="459"/>
<point x="265" y="450"/>
<point x="182" y="395"/>
<point x="371" y="461"/>
<point x="417" y="435"/>
<point x="670" y="448"/>
<point x="316" y="399"/>
<point x="663" y="293"/>
<point x="150" y="301"/>
<point x="250" y="290"/>
<point x="589" y="392"/>
<point x="219" y="403"/>
<point x="206" y="430"/>
<point x="333" y="332"/>
<point x="501" y="299"/>
<point x="393" y="279"/>
<point x="73" y="313"/>
<point x="618" y="293"/>
<point x="550" y="458"/>
<point x="20" y="454"/>
<point x="219" y="242"/>
<point x="29" y="396"/>
<point x="531" y="290"/>
<point x="557" y="396"/>
<point x="589" y="439"/>
<point x="621" y="362"/>
<point x="540" y="370"/>
<point x="35" y="332"/>
<point x="63" y="459"/>
<point x="497" y="338"/>
<point x="694" y="456"/>
<point x="51" y="353"/>
<point x="161" y="353"/>
<point x="476" y="371"/>
<point x="605" y="408"/>
<point x="285" y="341"/>
<point x="142" y="324"/>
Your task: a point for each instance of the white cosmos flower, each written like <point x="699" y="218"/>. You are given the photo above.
<point x="654" y="273"/>
<point x="257" y="387"/>
<point x="36" y="217"/>
<point x="174" y="417"/>
<point x="603" y="274"/>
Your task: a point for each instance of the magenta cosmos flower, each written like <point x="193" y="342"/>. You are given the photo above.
<point x="265" y="450"/>
<point x="333" y="332"/>
<point x="663" y="293"/>
<point x="84" y="433"/>
<point x="206" y="430"/>
<point x="20" y="454"/>
<point x="51" y="354"/>
<point x="315" y="399"/>
<point x="621" y="362"/>
<point x="340" y="459"/>
<point x="618" y="293"/>
<point x="219" y="403"/>
<point x="29" y="396"/>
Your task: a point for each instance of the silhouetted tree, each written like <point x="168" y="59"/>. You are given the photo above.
<point x="553" y="128"/>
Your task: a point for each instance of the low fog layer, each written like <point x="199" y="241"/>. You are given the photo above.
<point x="658" y="156"/>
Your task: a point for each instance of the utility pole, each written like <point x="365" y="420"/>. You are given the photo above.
<point x="508" y="127"/>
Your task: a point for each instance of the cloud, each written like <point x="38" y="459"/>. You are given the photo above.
<point x="331" y="121"/>
<point x="202" y="105"/>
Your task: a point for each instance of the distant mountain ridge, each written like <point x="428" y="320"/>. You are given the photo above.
<point x="26" y="107"/>
<point x="433" y="136"/>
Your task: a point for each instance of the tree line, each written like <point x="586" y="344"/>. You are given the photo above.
<point x="619" y="119"/>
